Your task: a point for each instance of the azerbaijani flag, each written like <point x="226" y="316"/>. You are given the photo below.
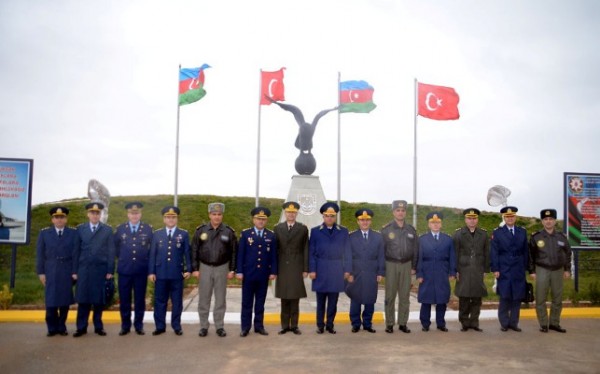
<point x="191" y="84"/>
<point x="356" y="97"/>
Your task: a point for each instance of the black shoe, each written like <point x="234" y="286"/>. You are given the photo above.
<point x="404" y="329"/>
<point x="158" y="332"/>
<point x="354" y="329"/>
<point x="221" y="332"/>
<point x="371" y="330"/>
<point x="179" y="332"/>
<point x="389" y="329"/>
<point x="100" y="332"/>
<point x="244" y="333"/>
<point x="79" y="333"/>
<point x="557" y="328"/>
<point x="464" y="328"/>
<point x="63" y="333"/>
<point x="425" y="329"/>
<point x="203" y="332"/>
<point x="320" y="330"/>
<point x="123" y="332"/>
<point x="261" y="331"/>
<point x="296" y="331"/>
<point x="504" y="329"/>
<point x="442" y="328"/>
<point x="543" y="329"/>
<point x="283" y="331"/>
<point x="477" y="329"/>
<point x="331" y="330"/>
<point x="140" y="332"/>
<point x="515" y="328"/>
<point x="51" y="334"/>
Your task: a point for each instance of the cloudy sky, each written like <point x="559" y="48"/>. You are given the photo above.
<point x="89" y="90"/>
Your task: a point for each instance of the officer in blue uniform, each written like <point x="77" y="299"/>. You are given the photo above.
<point x="132" y="243"/>
<point x="256" y="265"/>
<point x="54" y="266"/>
<point x="510" y="260"/>
<point x="94" y="264"/>
<point x="329" y="264"/>
<point x="368" y="269"/>
<point x="169" y="264"/>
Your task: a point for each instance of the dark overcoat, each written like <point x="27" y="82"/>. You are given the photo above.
<point x="55" y="260"/>
<point x="473" y="260"/>
<point x="437" y="262"/>
<point x="368" y="262"/>
<point x="510" y="257"/>
<point x="133" y="250"/>
<point x="169" y="259"/>
<point x="292" y="255"/>
<point x="330" y="256"/>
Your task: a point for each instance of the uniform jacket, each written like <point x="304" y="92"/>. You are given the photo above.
<point x="55" y="260"/>
<point x="292" y="253"/>
<point x="169" y="259"/>
<point x="401" y="243"/>
<point x="368" y="261"/>
<point x="330" y="256"/>
<point x="437" y="262"/>
<point x="472" y="261"/>
<point x="214" y="246"/>
<point x="510" y="257"/>
<point x="550" y="251"/>
<point x="257" y="256"/>
<point x="133" y="250"/>
<point x="94" y="259"/>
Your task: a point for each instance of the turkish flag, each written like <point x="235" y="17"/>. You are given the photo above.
<point x="271" y="86"/>
<point x="438" y="102"/>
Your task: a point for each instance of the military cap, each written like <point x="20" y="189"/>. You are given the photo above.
<point x="94" y="206"/>
<point x="509" y="211"/>
<point x="471" y="212"/>
<point x="291" y="206"/>
<point x="59" y="211"/>
<point x="134" y="206"/>
<point x="548" y="213"/>
<point x="329" y="208"/>
<point x="260" y="212"/>
<point x="170" y="211"/>
<point x="399" y="204"/>
<point x="216" y="208"/>
<point x="364" y="214"/>
<point x="435" y="217"/>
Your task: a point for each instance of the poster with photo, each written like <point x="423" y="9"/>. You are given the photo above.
<point x="582" y="209"/>
<point x="15" y="200"/>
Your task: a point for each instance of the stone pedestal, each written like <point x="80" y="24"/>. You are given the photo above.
<point x="307" y="191"/>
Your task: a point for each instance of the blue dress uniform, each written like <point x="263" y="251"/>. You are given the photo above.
<point x="256" y="261"/>
<point x="330" y="257"/>
<point x="94" y="259"/>
<point x="132" y="244"/>
<point x="510" y="257"/>
<point x="169" y="259"/>
<point x="54" y="260"/>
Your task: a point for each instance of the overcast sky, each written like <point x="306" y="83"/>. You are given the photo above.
<point x="88" y="89"/>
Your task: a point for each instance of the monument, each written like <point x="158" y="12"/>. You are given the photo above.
<point x="98" y="192"/>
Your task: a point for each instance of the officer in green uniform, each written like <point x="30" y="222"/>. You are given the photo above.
<point x="550" y="255"/>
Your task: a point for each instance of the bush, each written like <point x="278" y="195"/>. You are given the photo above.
<point x="594" y="293"/>
<point x="6" y="297"/>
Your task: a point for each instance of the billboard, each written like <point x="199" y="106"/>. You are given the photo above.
<point x="15" y="200"/>
<point x="582" y="209"/>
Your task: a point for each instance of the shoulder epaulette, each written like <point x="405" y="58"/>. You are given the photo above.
<point x="376" y="231"/>
<point x="353" y="231"/>
<point x="229" y="227"/>
<point x="386" y="225"/>
<point x="199" y="226"/>
<point x="45" y="228"/>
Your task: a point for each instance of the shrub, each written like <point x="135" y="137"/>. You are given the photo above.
<point x="6" y="297"/>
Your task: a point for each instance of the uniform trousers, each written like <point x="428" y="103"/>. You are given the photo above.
<point x="56" y="318"/>
<point x="366" y="319"/>
<point x="397" y="283"/>
<point x="163" y="290"/>
<point x="469" y="309"/>
<point x="83" y="314"/>
<point x="213" y="280"/>
<point x="137" y="284"/>
<point x="548" y="280"/>
<point x="329" y="299"/>
<point x="509" y="311"/>
<point x="254" y="294"/>
<point x="290" y="313"/>
<point x="440" y="314"/>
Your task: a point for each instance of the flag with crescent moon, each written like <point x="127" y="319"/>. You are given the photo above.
<point x="356" y="97"/>
<point x="438" y="102"/>
<point x="191" y="84"/>
<point x="272" y="86"/>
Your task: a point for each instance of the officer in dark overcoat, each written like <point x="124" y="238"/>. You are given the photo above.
<point x="54" y="266"/>
<point x="132" y="243"/>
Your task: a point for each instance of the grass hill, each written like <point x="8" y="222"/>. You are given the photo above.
<point x="28" y="289"/>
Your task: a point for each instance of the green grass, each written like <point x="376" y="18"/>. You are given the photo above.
<point x="28" y="289"/>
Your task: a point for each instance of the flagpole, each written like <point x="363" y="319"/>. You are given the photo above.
<point x="415" y="156"/>
<point x="177" y="143"/>
<point x="256" y="199"/>
<point x="339" y="154"/>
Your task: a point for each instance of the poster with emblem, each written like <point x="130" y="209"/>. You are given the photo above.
<point x="15" y="200"/>
<point x="582" y="209"/>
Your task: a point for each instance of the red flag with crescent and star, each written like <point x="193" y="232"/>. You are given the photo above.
<point x="438" y="102"/>
<point x="272" y="86"/>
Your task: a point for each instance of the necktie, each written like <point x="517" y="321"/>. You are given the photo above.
<point x="133" y="229"/>
<point x="436" y="236"/>
<point x="260" y="233"/>
<point x="170" y="235"/>
<point x="59" y="233"/>
<point x="289" y="227"/>
<point x="365" y="235"/>
<point x="93" y="228"/>
<point x="512" y="231"/>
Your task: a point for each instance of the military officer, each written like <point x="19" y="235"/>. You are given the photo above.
<point x="213" y="260"/>
<point x="256" y="265"/>
<point x="329" y="264"/>
<point x="510" y="260"/>
<point x="94" y="264"/>
<point x="133" y="240"/>
<point x="401" y="251"/>
<point x="368" y="269"/>
<point x="436" y="267"/>
<point x="550" y="262"/>
<point x="169" y="264"/>
<point x="292" y="253"/>
<point x="54" y="266"/>
<point x="473" y="261"/>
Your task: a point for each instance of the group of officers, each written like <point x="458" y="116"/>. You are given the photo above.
<point x="335" y="259"/>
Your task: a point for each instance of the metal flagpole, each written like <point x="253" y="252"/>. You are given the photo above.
<point x="339" y="154"/>
<point x="256" y="200"/>
<point x="177" y="144"/>
<point x="415" y="158"/>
